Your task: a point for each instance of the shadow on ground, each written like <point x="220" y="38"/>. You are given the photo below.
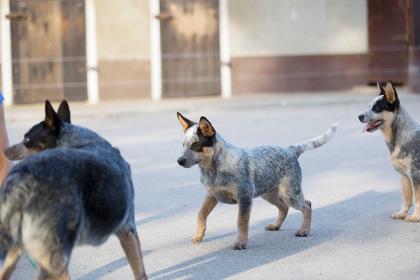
<point x="266" y="247"/>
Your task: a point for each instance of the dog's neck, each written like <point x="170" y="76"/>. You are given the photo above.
<point x="398" y="130"/>
<point x="221" y="152"/>
<point x="73" y="136"/>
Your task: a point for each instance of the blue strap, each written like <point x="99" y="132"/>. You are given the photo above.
<point x="1" y="97"/>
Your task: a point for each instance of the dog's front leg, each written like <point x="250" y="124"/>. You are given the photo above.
<point x="130" y="243"/>
<point x="407" y="198"/>
<point x="44" y="275"/>
<point x="415" y="217"/>
<point x="9" y="263"/>
<point x="208" y="205"/>
<point x="243" y="222"/>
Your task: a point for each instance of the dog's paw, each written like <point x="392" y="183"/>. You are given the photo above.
<point x="197" y="238"/>
<point x="240" y="244"/>
<point x="272" y="227"/>
<point x="412" y="218"/>
<point x="301" y="233"/>
<point x="399" y="215"/>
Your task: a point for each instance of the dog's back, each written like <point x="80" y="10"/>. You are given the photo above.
<point x="269" y="164"/>
<point x="61" y="197"/>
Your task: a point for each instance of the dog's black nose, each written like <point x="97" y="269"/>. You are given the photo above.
<point x="181" y="161"/>
<point x="361" y="118"/>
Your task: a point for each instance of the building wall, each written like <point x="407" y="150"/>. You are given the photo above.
<point x="123" y="32"/>
<point x="293" y="45"/>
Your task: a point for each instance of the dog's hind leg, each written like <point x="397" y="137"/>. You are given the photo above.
<point x="274" y="198"/>
<point x="9" y="264"/>
<point x="307" y="217"/>
<point x="305" y="206"/>
<point x="407" y="198"/>
<point x="291" y="192"/>
<point x="130" y="243"/>
<point x="208" y="205"/>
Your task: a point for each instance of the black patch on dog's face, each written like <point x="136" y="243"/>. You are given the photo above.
<point x="40" y="137"/>
<point x="389" y="101"/>
<point x="382" y="105"/>
<point x="203" y="141"/>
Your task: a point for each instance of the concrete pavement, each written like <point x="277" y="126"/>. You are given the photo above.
<point x="350" y="182"/>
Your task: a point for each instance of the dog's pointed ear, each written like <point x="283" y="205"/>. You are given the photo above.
<point x="51" y="118"/>
<point x="206" y="127"/>
<point x="64" y="111"/>
<point x="185" y="123"/>
<point x="391" y="96"/>
<point x="380" y="88"/>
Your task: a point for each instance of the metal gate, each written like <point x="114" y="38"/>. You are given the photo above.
<point x="190" y="48"/>
<point x="48" y="50"/>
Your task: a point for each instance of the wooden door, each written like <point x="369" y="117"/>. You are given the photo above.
<point x="190" y="48"/>
<point x="388" y="40"/>
<point x="48" y="50"/>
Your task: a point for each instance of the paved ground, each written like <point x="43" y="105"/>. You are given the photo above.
<point x="349" y="181"/>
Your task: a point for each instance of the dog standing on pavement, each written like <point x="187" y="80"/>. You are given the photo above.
<point x="235" y="176"/>
<point x="71" y="188"/>
<point x="402" y="136"/>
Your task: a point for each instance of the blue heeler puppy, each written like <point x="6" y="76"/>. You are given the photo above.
<point x="402" y="136"/>
<point x="235" y="176"/>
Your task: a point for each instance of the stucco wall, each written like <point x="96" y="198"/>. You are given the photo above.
<point x="298" y="27"/>
<point x="123" y="29"/>
<point x="123" y="42"/>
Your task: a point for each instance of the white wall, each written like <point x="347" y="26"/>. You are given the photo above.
<point x="298" y="27"/>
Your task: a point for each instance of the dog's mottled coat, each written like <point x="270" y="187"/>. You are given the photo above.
<point x="78" y="192"/>
<point x="402" y="137"/>
<point x="235" y="176"/>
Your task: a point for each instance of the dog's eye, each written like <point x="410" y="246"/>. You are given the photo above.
<point x="26" y="140"/>
<point x="194" y="145"/>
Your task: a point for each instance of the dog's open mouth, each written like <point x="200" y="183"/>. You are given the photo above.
<point x="374" y="125"/>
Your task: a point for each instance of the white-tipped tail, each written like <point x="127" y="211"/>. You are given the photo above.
<point x="315" y="142"/>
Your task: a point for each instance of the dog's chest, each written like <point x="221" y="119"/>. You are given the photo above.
<point x="224" y="194"/>
<point x="400" y="163"/>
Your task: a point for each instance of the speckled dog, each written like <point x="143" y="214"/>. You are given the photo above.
<point x="71" y="188"/>
<point x="235" y="176"/>
<point x="402" y="136"/>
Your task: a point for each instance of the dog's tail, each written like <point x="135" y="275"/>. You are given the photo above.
<point x="315" y="142"/>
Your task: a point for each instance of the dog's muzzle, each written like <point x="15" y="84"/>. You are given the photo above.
<point x="182" y="161"/>
<point x="17" y="152"/>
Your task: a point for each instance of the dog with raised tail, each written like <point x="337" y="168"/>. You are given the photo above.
<point x="72" y="187"/>
<point x="402" y="137"/>
<point x="235" y="175"/>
